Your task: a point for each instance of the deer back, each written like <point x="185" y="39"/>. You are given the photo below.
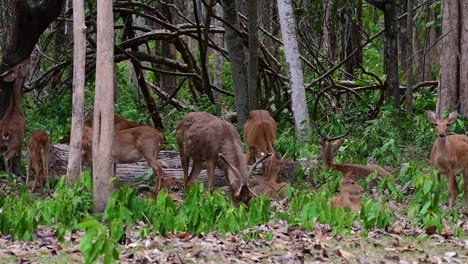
<point x="260" y="131"/>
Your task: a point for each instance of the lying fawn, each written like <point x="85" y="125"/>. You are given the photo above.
<point x="203" y="137"/>
<point x="449" y="154"/>
<point x="348" y="190"/>
<point x="327" y="150"/>
<point x="37" y="159"/>
<point x="259" y="134"/>
<point x="267" y="184"/>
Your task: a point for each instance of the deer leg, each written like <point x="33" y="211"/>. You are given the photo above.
<point x="210" y="169"/>
<point x="250" y="155"/>
<point x="196" y="168"/>
<point x="185" y="160"/>
<point x="5" y="163"/>
<point x="465" y="189"/>
<point x="45" y="166"/>
<point x="452" y="189"/>
<point x="28" y="168"/>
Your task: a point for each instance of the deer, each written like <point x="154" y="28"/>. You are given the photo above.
<point x="259" y="134"/>
<point x="37" y="159"/>
<point x="13" y="123"/>
<point x="267" y="184"/>
<point x="120" y="122"/>
<point x="327" y="150"/>
<point x="203" y="137"/>
<point x="131" y="145"/>
<point x="450" y="155"/>
<point x="347" y="197"/>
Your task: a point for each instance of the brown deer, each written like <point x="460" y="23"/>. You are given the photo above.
<point x="120" y="122"/>
<point x="203" y="137"/>
<point x="13" y="123"/>
<point x="449" y="154"/>
<point x="37" y="159"/>
<point x="327" y="150"/>
<point x="130" y="146"/>
<point x="267" y="184"/>
<point x="259" y="134"/>
<point x="348" y="190"/>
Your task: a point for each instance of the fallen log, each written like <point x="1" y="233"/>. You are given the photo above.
<point x="126" y="173"/>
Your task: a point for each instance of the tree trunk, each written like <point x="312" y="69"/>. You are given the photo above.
<point x="103" y="122"/>
<point x="391" y="52"/>
<point x="24" y="18"/>
<point x="253" y="54"/>
<point x="218" y="60"/>
<point x="167" y="81"/>
<point x="409" y="57"/>
<point x="463" y="86"/>
<point x="291" y="50"/>
<point x="237" y="58"/>
<point x="448" y="90"/>
<point x="79" y="63"/>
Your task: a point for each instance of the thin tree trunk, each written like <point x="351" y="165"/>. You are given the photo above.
<point x="103" y="123"/>
<point x="391" y="52"/>
<point x="409" y="58"/>
<point x="464" y="59"/>
<point x="291" y="50"/>
<point x="237" y="59"/>
<point x="253" y="53"/>
<point x="79" y="63"/>
<point x="449" y="73"/>
<point x="218" y="60"/>
<point x="167" y="81"/>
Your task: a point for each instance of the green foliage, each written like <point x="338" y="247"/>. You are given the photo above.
<point x="100" y="240"/>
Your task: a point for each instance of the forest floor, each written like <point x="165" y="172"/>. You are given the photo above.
<point x="272" y="243"/>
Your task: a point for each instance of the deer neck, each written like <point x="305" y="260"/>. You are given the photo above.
<point x="345" y="198"/>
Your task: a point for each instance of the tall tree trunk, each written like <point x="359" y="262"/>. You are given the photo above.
<point x="79" y="63"/>
<point x="237" y="59"/>
<point x="463" y="86"/>
<point x="167" y="81"/>
<point x="103" y="123"/>
<point x="291" y="50"/>
<point x="409" y="57"/>
<point x="392" y="83"/>
<point x="253" y="54"/>
<point x="218" y="60"/>
<point x="448" y="90"/>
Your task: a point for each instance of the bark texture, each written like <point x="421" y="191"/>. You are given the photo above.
<point x="253" y="53"/>
<point x="79" y="63"/>
<point x="291" y="50"/>
<point x="237" y="58"/>
<point x="103" y="122"/>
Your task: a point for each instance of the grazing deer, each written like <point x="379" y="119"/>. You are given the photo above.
<point x="120" y="123"/>
<point x="348" y="190"/>
<point x="204" y="137"/>
<point x="449" y="154"/>
<point x="327" y="150"/>
<point x="267" y="184"/>
<point x="37" y="159"/>
<point x="259" y="134"/>
<point x="12" y="123"/>
<point x="130" y="146"/>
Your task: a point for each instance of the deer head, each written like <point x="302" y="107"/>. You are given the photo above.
<point x="348" y="185"/>
<point x="442" y="124"/>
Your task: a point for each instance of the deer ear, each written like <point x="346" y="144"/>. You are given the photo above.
<point x="431" y="116"/>
<point x="452" y="117"/>
<point x="10" y="77"/>
<point x="336" y="144"/>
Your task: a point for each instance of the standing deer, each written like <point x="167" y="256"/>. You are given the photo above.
<point x="449" y="154"/>
<point x="131" y="145"/>
<point x="348" y="190"/>
<point x="259" y="134"/>
<point x="37" y="159"/>
<point x="204" y="137"/>
<point x="327" y="150"/>
<point x="13" y="123"/>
